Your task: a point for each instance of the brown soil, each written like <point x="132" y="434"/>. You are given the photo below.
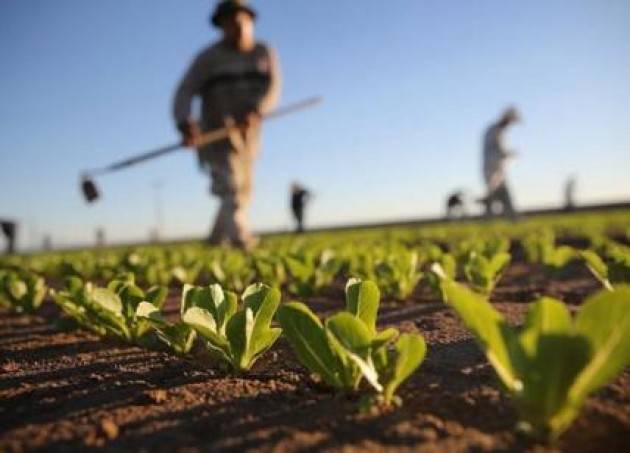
<point x="68" y="391"/>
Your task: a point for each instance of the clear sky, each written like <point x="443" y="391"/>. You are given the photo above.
<point x="409" y="86"/>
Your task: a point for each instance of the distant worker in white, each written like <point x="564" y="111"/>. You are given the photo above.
<point x="495" y="157"/>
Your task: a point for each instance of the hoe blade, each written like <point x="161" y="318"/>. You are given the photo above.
<point x="89" y="190"/>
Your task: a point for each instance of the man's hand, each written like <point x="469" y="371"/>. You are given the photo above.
<point x="190" y="132"/>
<point x="252" y="119"/>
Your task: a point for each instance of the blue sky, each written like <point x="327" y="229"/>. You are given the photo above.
<point x="409" y="87"/>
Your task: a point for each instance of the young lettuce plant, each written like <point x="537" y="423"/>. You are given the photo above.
<point x="238" y="337"/>
<point x="483" y="273"/>
<point x="399" y="273"/>
<point x="347" y="347"/>
<point x="232" y="269"/>
<point x="179" y="337"/>
<point x="551" y="364"/>
<point x="310" y="272"/>
<point x="541" y="248"/>
<point x="110" y="311"/>
<point x="23" y="292"/>
<point x="270" y="270"/>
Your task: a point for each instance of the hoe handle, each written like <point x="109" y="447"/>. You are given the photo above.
<point x="224" y="132"/>
<point x="205" y="139"/>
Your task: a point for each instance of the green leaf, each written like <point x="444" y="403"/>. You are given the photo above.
<point x="409" y="352"/>
<point x="180" y="337"/>
<point x="489" y="329"/>
<point x="383" y="337"/>
<point x="604" y="321"/>
<point x="226" y="310"/>
<point x="17" y="288"/>
<point x="239" y="333"/>
<point x="107" y="301"/>
<point x="202" y="321"/>
<point x="597" y="267"/>
<point x="157" y="295"/>
<point x="547" y="376"/>
<point x="351" y="332"/>
<point x="362" y="300"/>
<point x="547" y="316"/>
<point x="550" y="358"/>
<point x="350" y="338"/>
<point x="264" y="341"/>
<point x="151" y="313"/>
<point x="187" y="299"/>
<point x="263" y="301"/>
<point x="305" y="333"/>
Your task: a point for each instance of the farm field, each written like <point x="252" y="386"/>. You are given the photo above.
<point x="65" y="387"/>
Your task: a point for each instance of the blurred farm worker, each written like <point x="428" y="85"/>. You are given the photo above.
<point x="495" y="157"/>
<point x="455" y="205"/>
<point x="569" y="194"/>
<point x="299" y="198"/>
<point x="9" y="230"/>
<point x="237" y="80"/>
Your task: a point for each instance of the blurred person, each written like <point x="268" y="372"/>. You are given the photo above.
<point x="495" y="157"/>
<point x="47" y="244"/>
<point x="238" y="81"/>
<point x="299" y="198"/>
<point x="455" y="205"/>
<point x="569" y="194"/>
<point x="9" y="231"/>
<point x="100" y="237"/>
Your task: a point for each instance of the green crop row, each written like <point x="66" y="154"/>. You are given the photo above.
<point x="231" y="307"/>
<point x="548" y="366"/>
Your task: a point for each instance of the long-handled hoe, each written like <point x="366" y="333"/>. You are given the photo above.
<point x="90" y="190"/>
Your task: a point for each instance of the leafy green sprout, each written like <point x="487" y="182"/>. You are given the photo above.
<point x="109" y="311"/>
<point x="179" y="337"/>
<point x="347" y="347"/>
<point x="551" y="364"/>
<point x="21" y="291"/>
<point x="236" y="335"/>
<point x="483" y="272"/>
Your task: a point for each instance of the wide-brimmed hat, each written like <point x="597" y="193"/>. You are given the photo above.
<point x="227" y="7"/>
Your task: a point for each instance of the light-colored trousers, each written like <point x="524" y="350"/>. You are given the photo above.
<point x="500" y="194"/>
<point x="231" y="171"/>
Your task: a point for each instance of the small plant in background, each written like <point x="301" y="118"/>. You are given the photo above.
<point x="551" y="364"/>
<point x="347" y="347"/>
<point x="109" y="311"/>
<point x="541" y="248"/>
<point x="448" y="267"/>
<point x="310" y="272"/>
<point x="21" y="291"/>
<point x="236" y="336"/>
<point x="483" y="272"/>
<point x="398" y="274"/>
<point x="270" y="270"/>
<point x="232" y="270"/>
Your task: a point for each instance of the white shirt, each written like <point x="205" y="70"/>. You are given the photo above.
<point x="495" y="156"/>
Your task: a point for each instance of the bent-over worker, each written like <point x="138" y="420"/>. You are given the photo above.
<point x="495" y="157"/>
